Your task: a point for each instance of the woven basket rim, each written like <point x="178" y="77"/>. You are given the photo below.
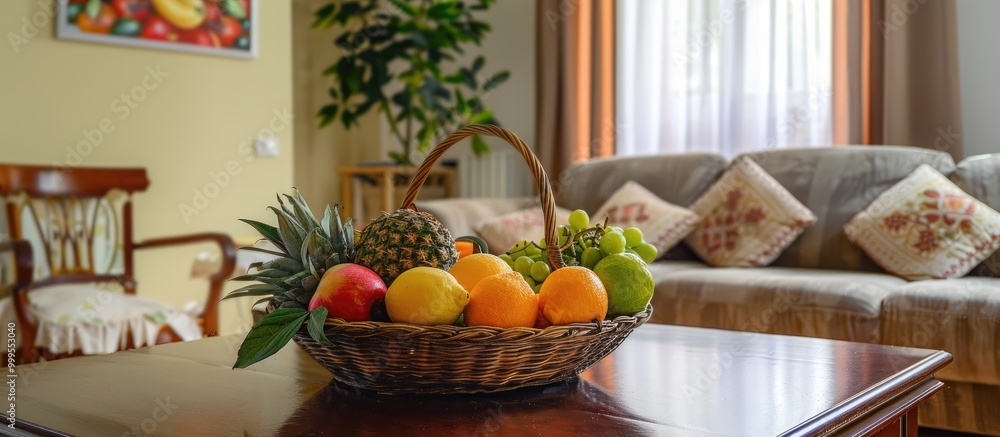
<point x="636" y="319"/>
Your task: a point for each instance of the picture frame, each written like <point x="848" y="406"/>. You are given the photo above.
<point x="218" y="28"/>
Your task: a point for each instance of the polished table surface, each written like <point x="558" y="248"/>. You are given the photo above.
<point x="664" y="380"/>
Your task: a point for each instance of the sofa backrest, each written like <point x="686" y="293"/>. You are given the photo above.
<point x="980" y="176"/>
<point x="676" y="178"/>
<point x="836" y="183"/>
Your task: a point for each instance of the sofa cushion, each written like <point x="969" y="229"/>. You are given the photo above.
<point x="980" y="176"/>
<point x="662" y="223"/>
<point x="832" y="304"/>
<point x="504" y="231"/>
<point x="461" y="216"/>
<point x="960" y="316"/>
<point x="836" y="183"/>
<point x="925" y="227"/>
<point x="746" y="218"/>
<point x="677" y="178"/>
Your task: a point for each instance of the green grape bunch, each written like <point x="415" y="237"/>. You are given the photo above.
<point x="580" y="244"/>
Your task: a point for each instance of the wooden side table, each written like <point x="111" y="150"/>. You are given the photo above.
<point x="386" y="176"/>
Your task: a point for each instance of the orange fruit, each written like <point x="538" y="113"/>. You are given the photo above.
<point x="572" y="295"/>
<point x="504" y="300"/>
<point x="473" y="268"/>
<point x="465" y="248"/>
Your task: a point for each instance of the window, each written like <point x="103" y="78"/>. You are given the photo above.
<point x="723" y="76"/>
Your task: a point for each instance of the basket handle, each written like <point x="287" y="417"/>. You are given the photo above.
<point x="541" y="179"/>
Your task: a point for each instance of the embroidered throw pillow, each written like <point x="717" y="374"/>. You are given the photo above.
<point x="747" y="218"/>
<point x="502" y="232"/>
<point x="663" y="224"/>
<point x="926" y="227"/>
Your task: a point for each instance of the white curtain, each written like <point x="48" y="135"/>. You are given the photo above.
<point x="723" y="76"/>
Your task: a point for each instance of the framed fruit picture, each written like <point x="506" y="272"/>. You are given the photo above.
<point x="211" y="27"/>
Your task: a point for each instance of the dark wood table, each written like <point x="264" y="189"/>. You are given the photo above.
<point x="664" y="380"/>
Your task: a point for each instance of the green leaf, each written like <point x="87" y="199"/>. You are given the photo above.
<point x="496" y="80"/>
<point x="445" y="10"/>
<point x="256" y="276"/>
<point x="481" y="117"/>
<point x="405" y="7"/>
<point x="262" y="250"/>
<point x="255" y="290"/>
<point x="234" y="8"/>
<point x="470" y="79"/>
<point x="328" y="114"/>
<point x="286" y="264"/>
<point x="269" y="335"/>
<point x="478" y="64"/>
<point x="260" y="301"/>
<point x="93" y="8"/>
<point x="337" y="237"/>
<point x="291" y="233"/>
<point x="315" y="249"/>
<point x="267" y="231"/>
<point x="323" y="17"/>
<point x="479" y="146"/>
<point x="317" y="318"/>
<point x="296" y="279"/>
<point x="349" y="231"/>
<point x="324" y="224"/>
<point x="302" y="210"/>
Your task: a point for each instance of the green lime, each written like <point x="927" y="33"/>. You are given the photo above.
<point x="628" y="281"/>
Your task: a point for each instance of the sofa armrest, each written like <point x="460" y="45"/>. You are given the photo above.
<point x="462" y="215"/>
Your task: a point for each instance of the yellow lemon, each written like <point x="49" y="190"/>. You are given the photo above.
<point x="425" y="296"/>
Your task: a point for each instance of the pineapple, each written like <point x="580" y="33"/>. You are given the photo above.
<point x="404" y="239"/>
<point x="306" y="248"/>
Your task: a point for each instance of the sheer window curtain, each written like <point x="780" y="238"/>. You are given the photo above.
<point x="722" y="76"/>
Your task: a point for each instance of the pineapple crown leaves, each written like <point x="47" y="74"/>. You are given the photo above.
<point x="307" y="248"/>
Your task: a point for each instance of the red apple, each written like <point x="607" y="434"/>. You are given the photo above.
<point x="348" y="291"/>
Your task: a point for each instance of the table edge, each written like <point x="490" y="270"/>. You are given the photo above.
<point x="873" y="398"/>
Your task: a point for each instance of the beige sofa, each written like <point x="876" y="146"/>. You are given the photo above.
<point x="822" y="285"/>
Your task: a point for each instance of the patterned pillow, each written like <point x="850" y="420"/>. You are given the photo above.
<point x="747" y="218"/>
<point x="926" y="227"/>
<point x="663" y="224"/>
<point x="502" y="232"/>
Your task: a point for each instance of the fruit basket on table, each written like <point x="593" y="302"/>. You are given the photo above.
<point x="398" y="358"/>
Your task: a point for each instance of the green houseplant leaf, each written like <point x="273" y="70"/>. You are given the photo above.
<point x="413" y="43"/>
<point x="269" y="335"/>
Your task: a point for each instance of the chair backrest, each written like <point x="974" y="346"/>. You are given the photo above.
<point x="79" y="220"/>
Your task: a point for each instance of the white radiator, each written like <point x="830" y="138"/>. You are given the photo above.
<point x="501" y="173"/>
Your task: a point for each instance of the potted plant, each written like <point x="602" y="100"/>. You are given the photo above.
<point x="400" y="58"/>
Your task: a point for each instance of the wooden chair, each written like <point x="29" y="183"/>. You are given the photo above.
<point x="23" y="264"/>
<point x="80" y="222"/>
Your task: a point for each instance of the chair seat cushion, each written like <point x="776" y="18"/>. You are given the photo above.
<point x="831" y="304"/>
<point x="99" y="321"/>
<point x="960" y="316"/>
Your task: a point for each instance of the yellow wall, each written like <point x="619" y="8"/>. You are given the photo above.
<point x="189" y="126"/>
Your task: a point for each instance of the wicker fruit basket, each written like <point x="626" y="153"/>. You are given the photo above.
<point x="397" y="358"/>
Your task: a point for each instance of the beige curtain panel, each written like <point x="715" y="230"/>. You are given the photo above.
<point x="895" y="75"/>
<point x="575" y="84"/>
